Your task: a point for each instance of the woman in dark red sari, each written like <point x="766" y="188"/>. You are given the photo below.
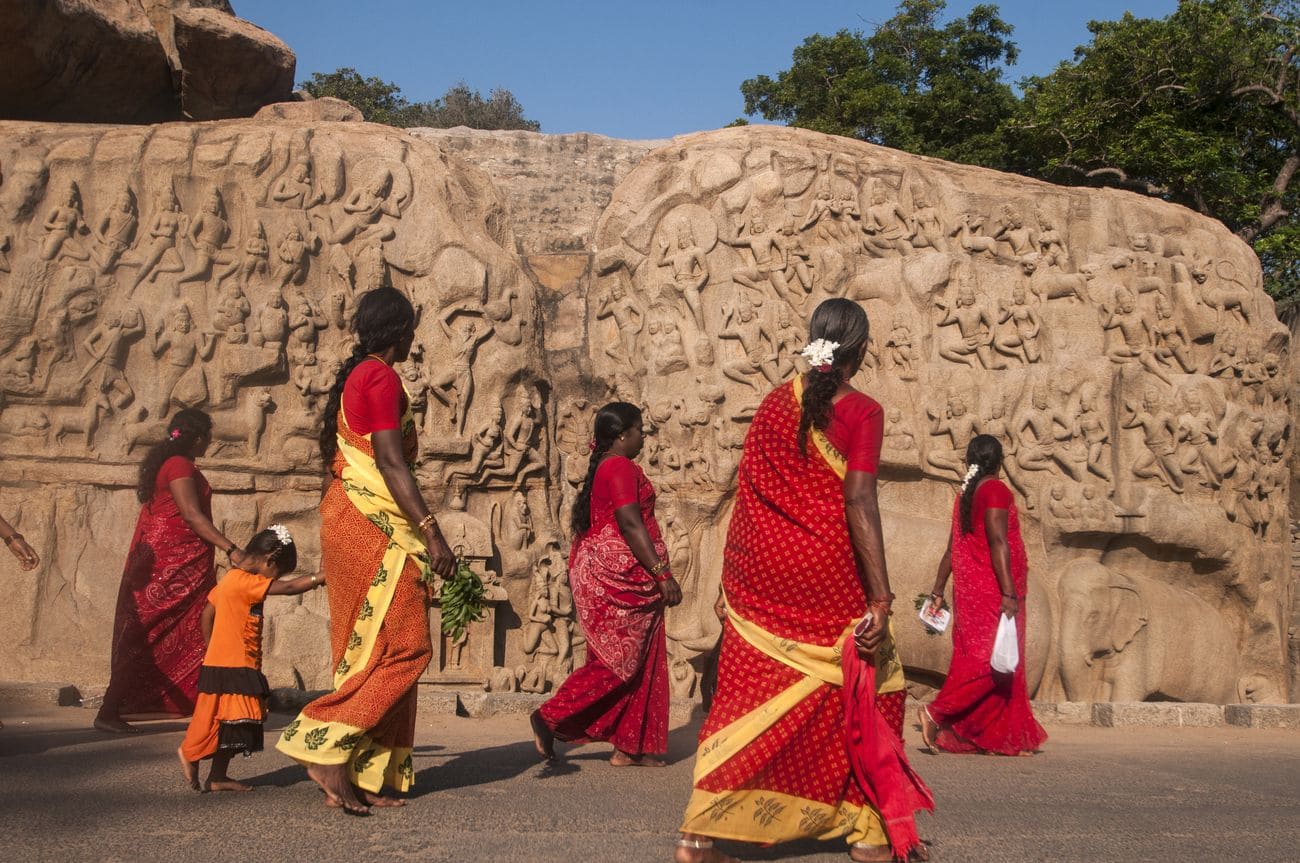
<point x="979" y="710"/>
<point x="621" y="582"/>
<point x="157" y="642"/>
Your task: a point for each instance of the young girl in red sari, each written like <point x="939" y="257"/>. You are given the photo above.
<point x="232" y="689"/>
<point x="979" y="710"/>
<point x="621" y="582"/>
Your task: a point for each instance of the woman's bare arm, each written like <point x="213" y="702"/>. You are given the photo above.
<point x="294" y="586"/>
<point x="995" y="529"/>
<point x="862" y="511"/>
<point x="638" y="539"/>
<point x="944" y="572"/>
<point x="391" y="461"/>
<point x="186" y="494"/>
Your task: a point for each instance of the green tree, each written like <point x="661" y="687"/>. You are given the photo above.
<point x="381" y="101"/>
<point x="915" y="84"/>
<point x="1201" y="108"/>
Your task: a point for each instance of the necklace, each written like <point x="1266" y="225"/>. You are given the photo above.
<point x="378" y="357"/>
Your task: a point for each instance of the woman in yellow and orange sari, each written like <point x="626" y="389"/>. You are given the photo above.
<point x="804" y="738"/>
<point x="377" y="539"/>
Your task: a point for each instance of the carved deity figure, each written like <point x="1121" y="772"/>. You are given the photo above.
<point x="1227" y="363"/>
<point x="924" y="225"/>
<point x="364" y="211"/>
<point x="162" y="255"/>
<point x="787" y="341"/>
<point x="294" y="255"/>
<point x="1170" y="337"/>
<point x="484" y="455"/>
<point x="64" y="224"/>
<point x="453" y="385"/>
<point x="306" y="322"/>
<point x="666" y="348"/>
<point x="1197" y="436"/>
<point x="960" y="426"/>
<point x="1092" y="426"/>
<point x="296" y="188"/>
<point x="1043" y="436"/>
<point x="899" y="349"/>
<point x="769" y="262"/>
<point x="796" y="256"/>
<point x="207" y="234"/>
<point x="1051" y="245"/>
<point x="885" y="226"/>
<point x="521" y="443"/>
<point x="108" y="346"/>
<point x="1015" y="233"/>
<point x="272" y="329"/>
<point x="181" y="377"/>
<point x="255" y="261"/>
<point x="340" y="272"/>
<point x="1059" y="504"/>
<point x="1021" y="339"/>
<point x="690" y="269"/>
<point x="975" y="325"/>
<point x="115" y="231"/>
<point x="231" y="312"/>
<point x="897" y="435"/>
<point x="629" y="320"/>
<point x="742" y="323"/>
<point x="1135" y="330"/>
<point x="1159" y="456"/>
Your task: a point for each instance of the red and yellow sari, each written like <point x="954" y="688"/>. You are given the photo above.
<point x="797" y="743"/>
<point x="372" y="558"/>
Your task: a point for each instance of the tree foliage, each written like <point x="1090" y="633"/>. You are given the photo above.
<point x="1201" y="107"/>
<point x="381" y="101"/>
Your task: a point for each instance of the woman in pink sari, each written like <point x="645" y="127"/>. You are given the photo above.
<point x="979" y="710"/>
<point x="621" y="582"/>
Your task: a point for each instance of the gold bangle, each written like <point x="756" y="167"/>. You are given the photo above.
<point x="660" y="565"/>
<point x="425" y="523"/>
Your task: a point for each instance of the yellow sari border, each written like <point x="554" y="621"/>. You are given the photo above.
<point x="765" y="817"/>
<point x="370" y="764"/>
<point x="833" y="458"/>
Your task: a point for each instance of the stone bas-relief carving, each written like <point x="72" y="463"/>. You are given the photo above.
<point x="1121" y="348"/>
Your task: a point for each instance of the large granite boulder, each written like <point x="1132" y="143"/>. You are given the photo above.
<point x="136" y="61"/>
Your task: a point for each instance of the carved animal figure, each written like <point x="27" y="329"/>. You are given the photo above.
<point x="1130" y="638"/>
<point x="245" y="426"/>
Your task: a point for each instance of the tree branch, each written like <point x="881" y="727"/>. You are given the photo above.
<point x="1123" y="179"/>
<point x="1271" y="209"/>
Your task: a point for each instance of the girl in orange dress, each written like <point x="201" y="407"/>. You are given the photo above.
<point x="231" y="704"/>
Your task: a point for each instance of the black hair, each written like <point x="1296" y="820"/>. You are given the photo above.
<point x="186" y="427"/>
<point x="383" y="318"/>
<point x="836" y="320"/>
<point x="611" y="421"/>
<point x="282" y="555"/>
<point x="985" y="453"/>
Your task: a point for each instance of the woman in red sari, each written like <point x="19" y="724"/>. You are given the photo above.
<point x="621" y="582"/>
<point x="979" y="710"/>
<point x="803" y="739"/>
<point x="157" y="642"/>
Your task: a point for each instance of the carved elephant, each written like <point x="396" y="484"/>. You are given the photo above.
<point x="1129" y="638"/>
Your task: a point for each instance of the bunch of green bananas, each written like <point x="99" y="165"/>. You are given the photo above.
<point x="461" y="600"/>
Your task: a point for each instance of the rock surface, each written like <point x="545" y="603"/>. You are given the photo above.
<point x="1121" y="347"/>
<point x="136" y="61"/>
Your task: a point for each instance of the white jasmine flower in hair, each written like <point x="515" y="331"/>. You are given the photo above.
<point x="971" y="473"/>
<point x="820" y="353"/>
<point x="282" y="534"/>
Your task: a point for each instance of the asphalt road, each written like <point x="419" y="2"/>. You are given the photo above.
<point x="69" y="793"/>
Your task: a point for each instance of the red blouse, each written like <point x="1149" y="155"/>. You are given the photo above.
<point x="373" y="398"/>
<point x="856" y="430"/>
<point x="162" y="504"/>
<point x="618" y="482"/>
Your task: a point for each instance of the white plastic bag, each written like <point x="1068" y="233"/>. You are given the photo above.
<point x="1006" y="652"/>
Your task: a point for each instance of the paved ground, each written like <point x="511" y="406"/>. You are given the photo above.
<point x="70" y="793"/>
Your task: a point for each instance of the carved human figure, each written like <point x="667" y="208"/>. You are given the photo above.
<point x="1253" y="374"/>
<point x="1135" y="329"/>
<point x="1227" y="363"/>
<point x="207" y="233"/>
<point x="1170" y="338"/>
<point x="295" y="188"/>
<point x="1043" y="435"/>
<point x="272" y="329"/>
<point x="821" y="215"/>
<point x="484" y="455"/>
<point x="899" y="349"/>
<point x="254" y="263"/>
<point x="924" y="224"/>
<point x="975" y="325"/>
<point x="1015" y="233"/>
<point x="339" y="272"/>
<point x="885" y="226"/>
<point x="959" y="426"/>
<point x="628" y="317"/>
<point x="743" y="324"/>
<point x="509" y="327"/>
<point x="796" y="256"/>
<point x="231" y="312"/>
<point x="1093" y="507"/>
<point x="787" y="341"/>
<point x="1092" y="426"/>
<point x="541" y="609"/>
<point x="181" y="377"/>
<point x="1021" y="339"/>
<point x="315" y="380"/>
<point x="516" y="530"/>
<point x="371" y="265"/>
<point x="666" y="348"/>
<point x="1051" y="245"/>
<point x="1197" y="437"/>
<point x="521" y="443"/>
<point x="897" y="435"/>
<point x="293" y="254"/>
<point x="417" y="390"/>
<point x="690" y="270"/>
<point x="108" y="346"/>
<point x="115" y="231"/>
<point x="64" y="224"/>
<point x="769" y="263"/>
<point x="1159" y="434"/>
<point x="465" y="333"/>
<point x="364" y="210"/>
<point x="162" y="255"/>
<point x="306" y="322"/>
<point x="1059" y="505"/>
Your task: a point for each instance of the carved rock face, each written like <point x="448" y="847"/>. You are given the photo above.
<point x="1140" y="388"/>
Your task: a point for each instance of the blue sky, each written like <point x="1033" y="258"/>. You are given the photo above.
<point x="645" y="69"/>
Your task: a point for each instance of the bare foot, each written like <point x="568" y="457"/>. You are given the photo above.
<point x="928" y="728"/>
<point x="707" y="854"/>
<point x="379" y="800"/>
<point x="114" y="725"/>
<point x="883" y="853"/>
<point x="624" y="759"/>
<point x="226" y="784"/>
<point x="190" y="769"/>
<point x="339" y="793"/>
<point x="543" y="739"/>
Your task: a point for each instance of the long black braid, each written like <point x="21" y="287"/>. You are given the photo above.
<point x="384" y="318"/>
<point x="836" y="320"/>
<point x="611" y="421"/>
<point x="984" y="452"/>
<point x="186" y="427"/>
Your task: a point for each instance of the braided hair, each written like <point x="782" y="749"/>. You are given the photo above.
<point x="836" y="320"/>
<point x="611" y="421"/>
<point x="383" y="319"/>
<point x="984" y="454"/>
<point x="185" y="428"/>
<point x="282" y="555"/>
